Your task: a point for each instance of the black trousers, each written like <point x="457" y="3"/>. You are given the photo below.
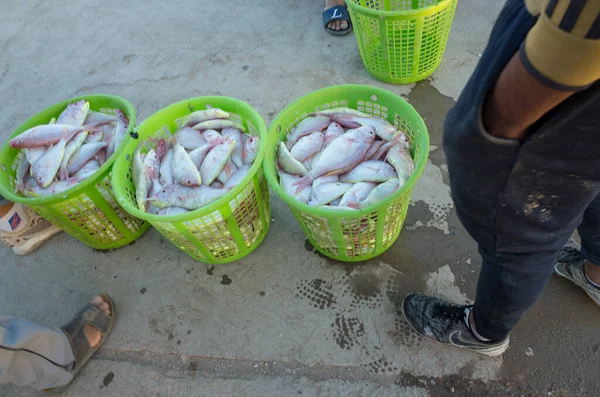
<point x="521" y="201"/>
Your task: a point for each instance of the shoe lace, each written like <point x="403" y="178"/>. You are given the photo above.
<point x="451" y="313"/>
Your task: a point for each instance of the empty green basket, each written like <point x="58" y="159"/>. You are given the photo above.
<point x="352" y="235"/>
<point x="225" y="230"/>
<point x="401" y="41"/>
<point x="89" y="210"/>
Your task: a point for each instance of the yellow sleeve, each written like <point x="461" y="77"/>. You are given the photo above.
<point x="562" y="50"/>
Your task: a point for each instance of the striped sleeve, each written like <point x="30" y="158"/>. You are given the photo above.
<point x="562" y="50"/>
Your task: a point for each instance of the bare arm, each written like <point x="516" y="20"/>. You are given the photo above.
<point x="517" y="101"/>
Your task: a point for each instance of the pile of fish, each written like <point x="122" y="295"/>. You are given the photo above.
<point x="61" y="154"/>
<point x="207" y="156"/>
<point x="343" y="159"/>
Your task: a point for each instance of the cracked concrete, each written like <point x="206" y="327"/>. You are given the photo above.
<point x="284" y="320"/>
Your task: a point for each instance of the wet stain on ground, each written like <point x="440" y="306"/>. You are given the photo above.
<point x="404" y="334"/>
<point x="108" y="378"/>
<point x="171" y="337"/>
<point x="143" y="290"/>
<point x="262" y="293"/>
<point x="226" y="280"/>
<point x="347" y="330"/>
<point x="380" y="366"/>
<point x="210" y="270"/>
<point x="317" y="291"/>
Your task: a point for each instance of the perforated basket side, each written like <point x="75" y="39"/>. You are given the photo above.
<point x="402" y="41"/>
<point x="225" y="230"/>
<point x="352" y="235"/>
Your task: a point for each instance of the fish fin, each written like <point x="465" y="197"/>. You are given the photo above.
<point x="353" y="206"/>
<point x="64" y="174"/>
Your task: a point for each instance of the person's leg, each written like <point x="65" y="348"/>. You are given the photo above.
<point x="583" y="267"/>
<point x="33" y="355"/>
<point x="36" y="356"/>
<point x="519" y="201"/>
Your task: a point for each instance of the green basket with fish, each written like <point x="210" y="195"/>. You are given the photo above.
<point x="346" y="234"/>
<point x="88" y="209"/>
<point x="224" y="230"/>
<point x="401" y="41"/>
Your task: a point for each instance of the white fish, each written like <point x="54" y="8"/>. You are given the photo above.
<point x="370" y="171"/>
<point x="83" y="155"/>
<point x="238" y="150"/>
<point x="20" y="173"/>
<point x="32" y="189"/>
<point x="44" y="135"/>
<point x="287" y="183"/>
<point x="307" y="146"/>
<point x="217" y="185"/>
<point x="373" y="149"/>
<point x="327" y="192"/>
<point x="198" y="155"/>
<point x="119" y="131"/>
<point x="381" y="192"/>
<point x="215" y="160"/>
<point x="212" y="136"/>
<point x="101" y="156"/>
<point x="229" y="169"/>
<point x="184" y="169"/>
<point x="399" y="139"/>
<point x="239" y="175"/>
<point x="357" y="193"/>
<point x="333" y="131"/>
<point x="307" y="126"/>
<point x="204" y="115"/>
<point x="44" y="170"/>
<point x="70" y="149"/>
<point x="97" y="136"/>
<point x="288" y="163"/>
<point x="140" y="179"/>
<point x="166" y="168"/>
<point x="34" y="153"/>
<point x="383" y="128"/>
<point x="325" y="179"/>
<point x="400" y="158"/>
<point x="99" y="117"/>
<point x="152" y="166"/>
<point x="341" y="110"/>
<point x="251" y="148"/>
<point x="341" y="155"/>
<point x="218" y="124"/>
<point x="172" y="211"/>
<point x="337" y="201"/>
<point x="74" y="114"/>
<point x="189" y="138"/>
<point x="190" y="198"/>
<point x="88" y="169"/>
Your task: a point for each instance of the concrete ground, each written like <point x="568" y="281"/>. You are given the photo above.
<point x="254" y="328"/>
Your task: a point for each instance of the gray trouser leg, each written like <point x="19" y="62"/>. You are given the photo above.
<point x="33" y="355"/>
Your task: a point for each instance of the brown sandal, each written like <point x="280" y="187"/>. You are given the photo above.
<point x="75" y="330"/>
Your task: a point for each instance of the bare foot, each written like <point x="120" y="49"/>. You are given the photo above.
<point x="336" y="25"/>
<point x="94" y="336"/>
<point x="592" y="272"/>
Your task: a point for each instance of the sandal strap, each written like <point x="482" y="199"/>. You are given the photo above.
<point x="337" y="13"/>
<point x="75" y="329"/>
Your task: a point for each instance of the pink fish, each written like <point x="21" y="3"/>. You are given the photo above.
<point x="307" y="126"/>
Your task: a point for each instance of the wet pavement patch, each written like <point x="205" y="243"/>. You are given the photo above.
<point x="143" y="290"/>
<point x="226" y="280"/>
<point x="108" y="378"/>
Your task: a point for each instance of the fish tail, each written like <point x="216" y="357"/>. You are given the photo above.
<point x="64" y="174"/>
<point x="303" y="183"/>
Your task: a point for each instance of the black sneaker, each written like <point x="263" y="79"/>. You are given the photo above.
<point x="444" y="322"/>
<point x="571" y="266"/>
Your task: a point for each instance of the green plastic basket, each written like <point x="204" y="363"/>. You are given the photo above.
<point x="352" y="235"/>
<point x="225" y="230"/>
<point x="89" y="210"/>
<point x="401" y="41"/>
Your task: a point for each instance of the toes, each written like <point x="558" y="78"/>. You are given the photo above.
<point x="344" y="25"/>
<point x="337" y="25"/>
<point x="105" y="308"/>
<point x="97" y="301"/>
